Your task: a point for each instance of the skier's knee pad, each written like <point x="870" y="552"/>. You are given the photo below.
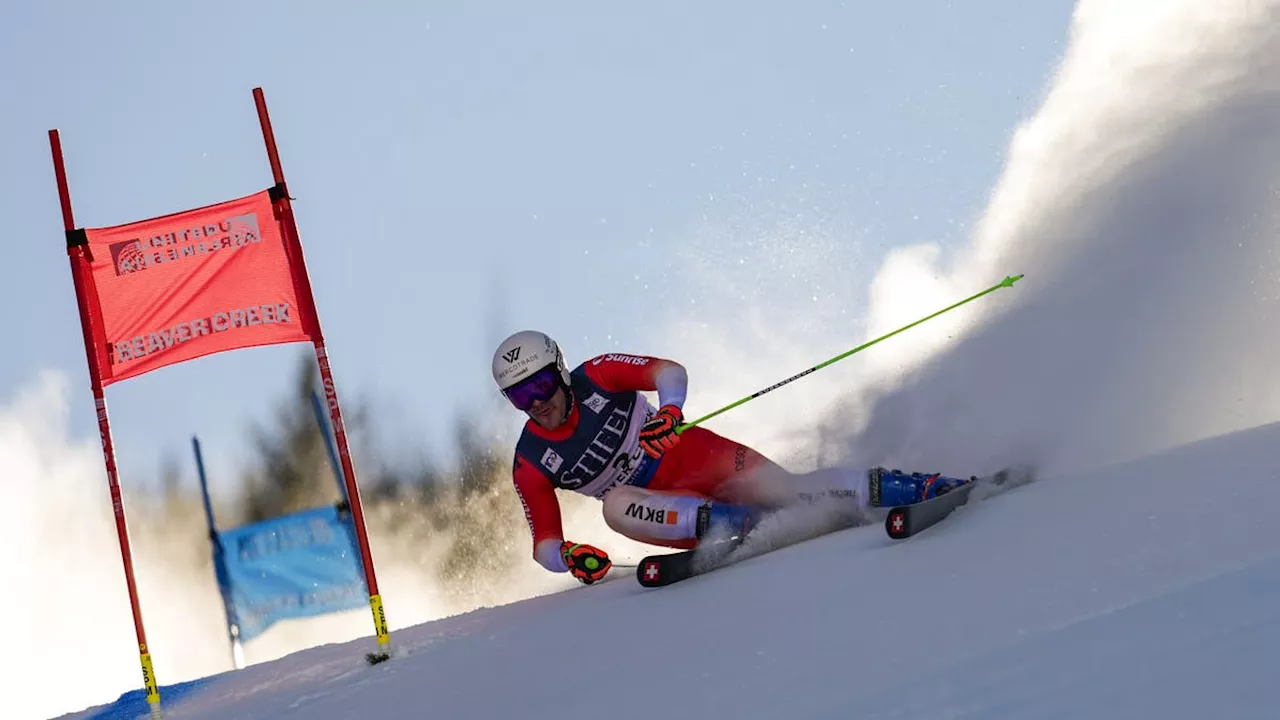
<point x="653" y="517"/>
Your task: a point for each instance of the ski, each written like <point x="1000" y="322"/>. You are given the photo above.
<point x="662" y="570"/>
<point x="904" y="521"/>
<point x="669" y="568"/>
<point x="654" y="571"/>
<point x="775" y="531"/>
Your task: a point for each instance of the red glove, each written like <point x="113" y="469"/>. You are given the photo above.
<point x="659" y="434"/>
<point x="585" y="562"/>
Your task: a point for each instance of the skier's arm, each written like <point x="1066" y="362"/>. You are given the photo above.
<point x="642" y="372"/>
<point x="542" y="511"/>
<point x="618" y="373"/>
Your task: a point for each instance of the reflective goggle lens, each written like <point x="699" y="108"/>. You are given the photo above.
<point x="538" y="386"/>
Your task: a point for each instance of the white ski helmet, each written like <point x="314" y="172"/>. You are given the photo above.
<point x="524" y="354"/>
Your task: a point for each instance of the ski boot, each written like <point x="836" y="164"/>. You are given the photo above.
<point x="891" y="488"/>
<point x="725" y="521"/>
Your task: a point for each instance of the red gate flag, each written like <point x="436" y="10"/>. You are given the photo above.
<point x="174" y="288"/>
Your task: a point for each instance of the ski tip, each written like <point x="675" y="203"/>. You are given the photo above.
<point x="896" y="523"/>
<point x="652" y="572"/>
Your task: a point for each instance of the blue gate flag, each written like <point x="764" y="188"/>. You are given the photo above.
<point x="298" y="565"/>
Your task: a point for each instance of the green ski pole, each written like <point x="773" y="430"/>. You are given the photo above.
<point x="1007" y="282"/>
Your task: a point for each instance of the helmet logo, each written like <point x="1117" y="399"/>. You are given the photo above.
<point x="511" y="355"/>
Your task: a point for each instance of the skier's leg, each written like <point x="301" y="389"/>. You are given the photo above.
<point x="707" y="485"/>
<point x="672" y="518"/>
<point x="770" y="486"/>
<point x="856" y="488"/>
<point x="838" y="485"/>
<point x="828" y="497"/>
<point x="861" y="489"/>
<point x="712" y="465"/>
<point x="654" y="517"/>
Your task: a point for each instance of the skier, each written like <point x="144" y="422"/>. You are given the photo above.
<point x="593" y="431"/>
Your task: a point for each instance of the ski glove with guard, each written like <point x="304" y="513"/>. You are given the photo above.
<point x="585" y="562"/>
<point x="659" y="434"/>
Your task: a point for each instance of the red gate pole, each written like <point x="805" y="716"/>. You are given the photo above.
<point x="331" y="394"/>
<point x="76" y="252"/>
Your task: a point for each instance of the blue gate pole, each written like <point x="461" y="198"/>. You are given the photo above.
<point x="322" y="419"/>
<point x="233" y="626"/>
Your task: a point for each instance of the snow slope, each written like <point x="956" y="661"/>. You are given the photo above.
<point x="1146" y="589"/>
<point x="1134" y="366"/>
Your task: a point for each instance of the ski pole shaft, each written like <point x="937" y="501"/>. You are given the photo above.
<point x="1007" y="282"/>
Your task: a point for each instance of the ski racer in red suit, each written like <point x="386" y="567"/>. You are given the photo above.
<point x="593" y="431"/>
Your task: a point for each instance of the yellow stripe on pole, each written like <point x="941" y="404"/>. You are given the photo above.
<point x="379" y="626"/>
<point x="380" y="621"/>
<point x="149" y="684"/>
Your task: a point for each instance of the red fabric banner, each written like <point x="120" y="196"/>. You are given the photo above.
<point x="182" y="286"/>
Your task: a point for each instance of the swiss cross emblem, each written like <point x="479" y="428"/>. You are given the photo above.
<point x="897" y="523"/>
<point x="651" y="571"/>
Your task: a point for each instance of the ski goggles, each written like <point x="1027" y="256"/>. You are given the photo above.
<point x="541" y="385"/>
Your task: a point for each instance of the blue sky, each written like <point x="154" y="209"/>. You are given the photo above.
<point x="465" y="172"/>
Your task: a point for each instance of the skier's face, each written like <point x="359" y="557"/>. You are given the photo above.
<point x="552" y="412"/>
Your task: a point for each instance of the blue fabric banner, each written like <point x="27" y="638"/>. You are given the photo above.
<point x="298" y="565"/>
